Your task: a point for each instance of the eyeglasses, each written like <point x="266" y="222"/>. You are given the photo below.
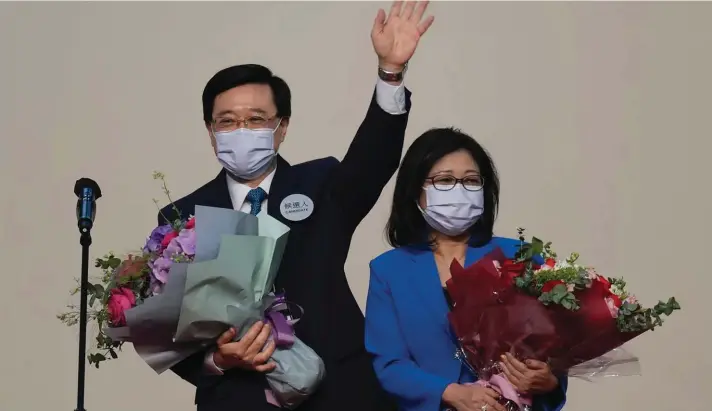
<point x="227" y="124"/>
<point x="447" y="183"/>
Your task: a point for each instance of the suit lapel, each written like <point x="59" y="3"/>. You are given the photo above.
<point x="428" y="287"/>
<point x="216" y="193"/>
<point x="427" y="283"/>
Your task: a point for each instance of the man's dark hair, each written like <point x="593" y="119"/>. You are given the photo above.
<point x="406" y="225"/>
<point x="235" y="76"/>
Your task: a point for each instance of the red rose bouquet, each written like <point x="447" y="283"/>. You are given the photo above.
<point x="536" y="306"/>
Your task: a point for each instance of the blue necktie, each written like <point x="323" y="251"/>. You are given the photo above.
<point x="255" y="197"/>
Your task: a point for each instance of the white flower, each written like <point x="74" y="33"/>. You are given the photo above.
<point x="617" y="290"/>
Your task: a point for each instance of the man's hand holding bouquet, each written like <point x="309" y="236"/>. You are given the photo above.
<point x="200" y="281"/>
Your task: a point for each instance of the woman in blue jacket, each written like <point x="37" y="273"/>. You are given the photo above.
<point x="444" y="207"/>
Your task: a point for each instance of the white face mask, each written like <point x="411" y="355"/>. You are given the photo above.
<point x="454" y="211"/>
<point x="244" y="152"/>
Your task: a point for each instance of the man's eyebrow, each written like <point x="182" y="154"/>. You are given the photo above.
<point x="251" y="109"/>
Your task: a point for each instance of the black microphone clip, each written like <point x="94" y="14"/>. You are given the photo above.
<point x="87" y="192"/>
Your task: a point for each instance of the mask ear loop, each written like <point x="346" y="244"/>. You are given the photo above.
<point x="274" y="130"/>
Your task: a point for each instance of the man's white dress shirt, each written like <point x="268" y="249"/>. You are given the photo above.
<point x="389" y="98"/>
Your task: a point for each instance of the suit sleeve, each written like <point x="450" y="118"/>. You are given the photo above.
<point x="370" y="162"/>
<point x="555" y="400"/>
<point x="397" y="373"/>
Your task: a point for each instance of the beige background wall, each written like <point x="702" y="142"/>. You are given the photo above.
<point x="597" y="116"/>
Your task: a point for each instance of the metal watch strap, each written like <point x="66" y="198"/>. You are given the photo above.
<point x="392" y="76"/>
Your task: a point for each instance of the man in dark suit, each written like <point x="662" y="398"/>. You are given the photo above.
<point x="246" y="111"/>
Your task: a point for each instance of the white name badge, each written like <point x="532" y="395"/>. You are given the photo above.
<point x="296" y="207"/>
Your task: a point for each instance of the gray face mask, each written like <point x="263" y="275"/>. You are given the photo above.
<point x="454" y="211"/>
<point x="244" y="152"/>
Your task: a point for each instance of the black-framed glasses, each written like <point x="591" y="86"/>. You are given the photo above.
<point x="227" y="124"/>
<point x="447" y="183"/>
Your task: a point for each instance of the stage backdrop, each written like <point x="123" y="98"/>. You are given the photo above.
<point x="597" y="115"/>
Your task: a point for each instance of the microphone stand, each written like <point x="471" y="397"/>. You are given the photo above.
<point x="85" y="241"/>
<point x="87" y="192"/>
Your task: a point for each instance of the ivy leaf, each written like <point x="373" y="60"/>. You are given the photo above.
<point x="113" y="354"/>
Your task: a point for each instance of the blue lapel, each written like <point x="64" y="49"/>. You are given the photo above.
<point x="426" y="281"/>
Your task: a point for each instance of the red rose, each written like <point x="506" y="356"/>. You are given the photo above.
<point x="550" y="262"/>
<point x="549" y="285"/>
<point x="509" y="270"/>
<point x="167" y="239"/>
<point x="512" y="267"/>
<point x="190" y="224"/>
<point x="120" y="300"/>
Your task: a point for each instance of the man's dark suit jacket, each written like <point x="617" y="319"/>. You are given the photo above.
<point x="312" y="270"/>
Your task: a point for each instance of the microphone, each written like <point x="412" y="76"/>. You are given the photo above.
<point x="87" y="191"/>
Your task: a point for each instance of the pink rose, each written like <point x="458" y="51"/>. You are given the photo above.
<point x="631" y="300"/>
<point x="120" y="300"/>
<point x="613" y="305"/>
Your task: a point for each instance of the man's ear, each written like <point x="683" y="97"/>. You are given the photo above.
<point x="283" y="126"/>
<point x="211" y="136"/>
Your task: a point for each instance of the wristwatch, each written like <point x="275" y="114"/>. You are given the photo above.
<point x="392" y="76"/>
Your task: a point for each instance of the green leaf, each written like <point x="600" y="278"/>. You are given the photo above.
<point x="113" y="354"/>
<point x="98" y="290"/>
<point x="545" y="298"/>
<point x="570" y="302"/>
<point x="92" y="300"/>
<point x="114" y="262"/>
<point x="537" y="246"/>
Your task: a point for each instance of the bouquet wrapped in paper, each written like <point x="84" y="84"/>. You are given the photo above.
<point x="534" y="306"/>
<point x="193" y="280"/>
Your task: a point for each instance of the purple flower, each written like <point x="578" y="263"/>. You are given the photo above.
<point x="182" y="245"/>
<point x="153" y="243"/>
<point x="186" y="240"/>
<point x="160" y="268"/>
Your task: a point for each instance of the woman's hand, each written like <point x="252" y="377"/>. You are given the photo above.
<point x="471" y="398"/>
<point x="529" y="377"/>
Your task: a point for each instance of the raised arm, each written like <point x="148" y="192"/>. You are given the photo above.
<point x="375" y="151"/>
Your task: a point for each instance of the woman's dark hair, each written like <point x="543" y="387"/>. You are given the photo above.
<point x="406" y="225"/>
